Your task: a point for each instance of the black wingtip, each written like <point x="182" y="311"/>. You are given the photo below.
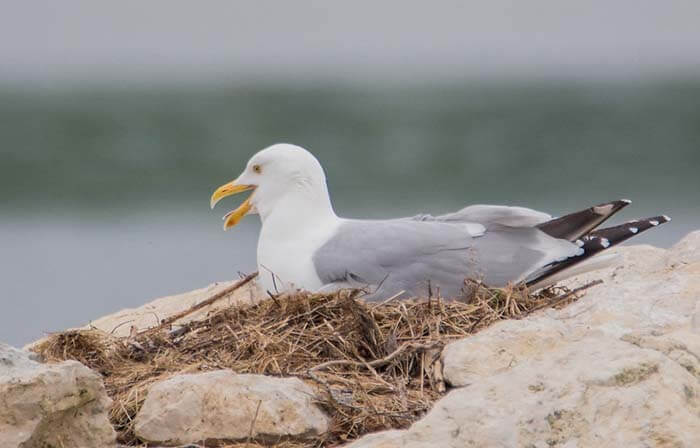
<point x="600" y="240"/>
<point x="575" y="225"/>
<point x="629" y="229"/>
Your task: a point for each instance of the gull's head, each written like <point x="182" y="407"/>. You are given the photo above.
<point x="279" y="175"/>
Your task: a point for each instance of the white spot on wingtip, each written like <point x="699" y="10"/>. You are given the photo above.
<point x="654" y="222"/>
<point x="579" y="243"/>
<point x="626" y="201"/>
<point x="667" y="218"/>
<point x="633" y="229"/>
<point x="604" y="242"/>
<point x="603" y="209"/>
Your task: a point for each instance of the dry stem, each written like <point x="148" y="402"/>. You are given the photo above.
<point x="376" y="365"/>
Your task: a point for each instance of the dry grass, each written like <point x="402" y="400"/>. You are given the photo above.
<point x="376" y="365"/>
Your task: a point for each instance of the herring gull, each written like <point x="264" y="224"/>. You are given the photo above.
<point x="304" y="244"/>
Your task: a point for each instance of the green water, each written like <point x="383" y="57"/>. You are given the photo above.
<point x="104" y="191"/>
<point x="534" y="143"/>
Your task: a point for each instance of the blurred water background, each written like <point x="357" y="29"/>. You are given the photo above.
<point x="105" y="192"/>
<point x="105" y="183"/>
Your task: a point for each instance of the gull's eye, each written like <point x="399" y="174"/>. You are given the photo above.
<point x="257" y="168"/>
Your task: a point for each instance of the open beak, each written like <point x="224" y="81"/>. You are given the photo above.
<point x="233" y="217"/>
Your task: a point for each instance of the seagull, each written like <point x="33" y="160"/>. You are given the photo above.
<point x="303" y="244"/>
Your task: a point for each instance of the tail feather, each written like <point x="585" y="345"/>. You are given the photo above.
<point x="575" y="225"/>
<point x="629" y="229"/>
<point x="594" y="243"/>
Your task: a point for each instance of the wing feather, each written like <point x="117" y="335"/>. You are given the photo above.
<point x="492" y="214"/>
<point x="408" y="255"/>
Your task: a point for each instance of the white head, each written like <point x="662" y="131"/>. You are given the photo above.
<point x="283" y="177"/>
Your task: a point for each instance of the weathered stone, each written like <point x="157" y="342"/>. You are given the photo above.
<point x="639" y="292"/>
<point x="51" y="405"/>
<point x="598" y="391"/>
<point x="224" y="406"/>
<point x="620" y="367"/>
<point x="685" y="251"/>
<point x="504" y="346"/>
<point x="149" y="315"/>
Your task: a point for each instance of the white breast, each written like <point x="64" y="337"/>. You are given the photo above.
<point x="285" y="253"/>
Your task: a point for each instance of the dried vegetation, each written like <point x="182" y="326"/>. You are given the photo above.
<point x="376" y="365"/>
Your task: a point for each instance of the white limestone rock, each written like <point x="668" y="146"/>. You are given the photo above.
<point x="120" y="323"/>
<point x="149" y="315"/>
<point x="51" y="405"/>
<point x="225" y="406"/>
<point x="598" y="391"/>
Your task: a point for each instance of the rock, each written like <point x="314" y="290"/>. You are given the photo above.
<point x="598" y="391"/>
<point x="500" y="348"/>
<point x="119" y="324"/>
<point x="225" y="406"/>
<point x="620" y="367"/>
<point x="150" y="314"/>
<point x="647" y="288"/>
<point x="639" y="294"/>
<point x="685" y="251"/>
<point x="51" y="405"/>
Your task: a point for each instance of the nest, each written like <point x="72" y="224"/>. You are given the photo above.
<point x="376" y="365"/>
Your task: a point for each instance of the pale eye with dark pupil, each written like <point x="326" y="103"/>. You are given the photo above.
<point x="257" y="169"/>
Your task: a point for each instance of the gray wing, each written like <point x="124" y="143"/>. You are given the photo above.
<point x="492" y="214"/>
<point x="409" y="255"/>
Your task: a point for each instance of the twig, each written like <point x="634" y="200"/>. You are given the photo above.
<point x="179" y="331"/>
<point x="377" y="376"/>
<point x="252" y="424"/>
<point x="274" y="298"/>
<point x="384" y="302"/>
<point x="563" y="297"/>
<point x="123" y="323"/>
<point x="377" y="362"/>
<point x="208" y="301"/>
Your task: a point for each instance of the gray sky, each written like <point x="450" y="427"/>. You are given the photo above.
<point x="362" y="39"/>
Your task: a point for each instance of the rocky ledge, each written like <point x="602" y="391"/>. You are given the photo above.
<point x="619" y="367"/>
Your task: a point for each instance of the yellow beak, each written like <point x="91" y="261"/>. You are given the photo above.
<point x="233" y="217"/>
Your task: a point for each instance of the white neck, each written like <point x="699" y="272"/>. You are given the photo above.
<point x="299" y="208"/>
<point x="292" y="230"/>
